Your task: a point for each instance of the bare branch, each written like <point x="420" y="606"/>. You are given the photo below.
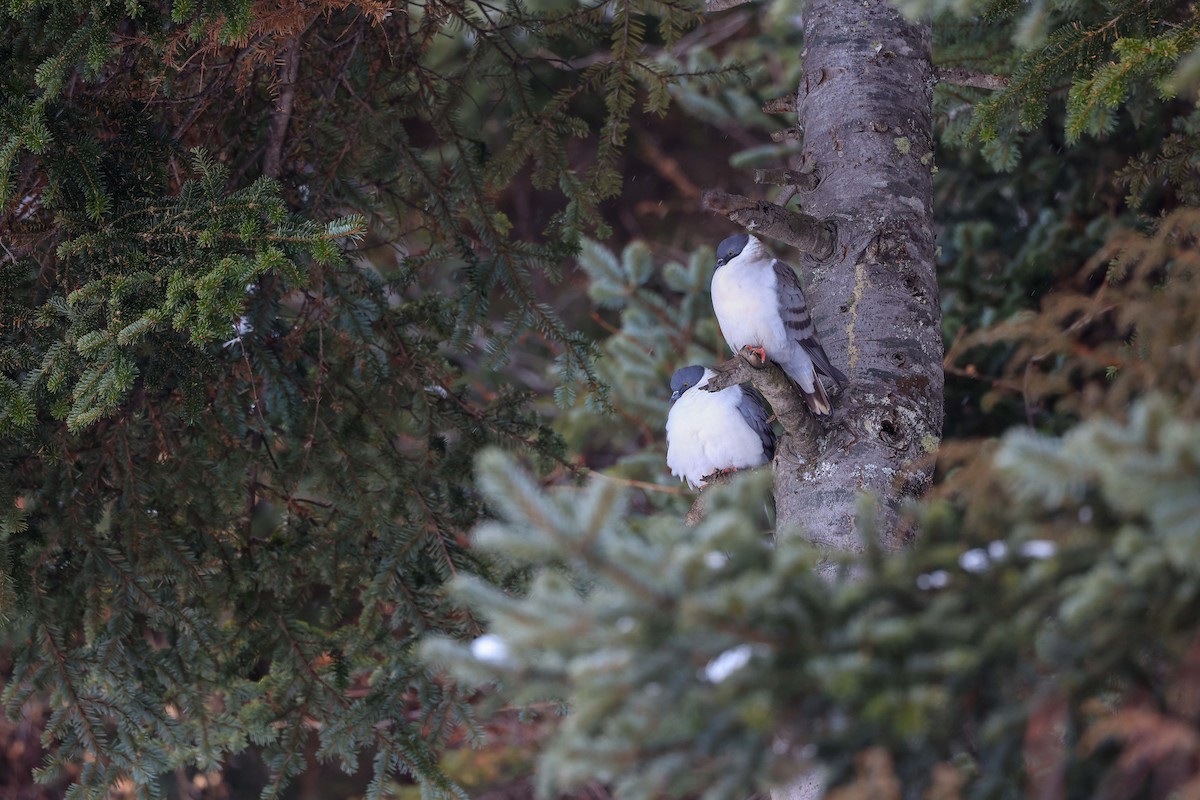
<point x="722" y="5"/>
<point x="669" y="168"/>
<point x="966" y="77"/>
<point x="807" y="234"/>
<point x="785" y="104"/>
<point x="775" y="387"/>
<point x="804" y="181"/>
<point x="276" y="134"/>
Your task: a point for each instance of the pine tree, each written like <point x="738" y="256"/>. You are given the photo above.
<point x="260" y="303"/>
<point x="238" y="414"/>
<point x="1039" y="636"/>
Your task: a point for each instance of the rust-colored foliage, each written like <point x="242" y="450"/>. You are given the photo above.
<point x="1159" y="739"/>
<point x="1128" y="323"/>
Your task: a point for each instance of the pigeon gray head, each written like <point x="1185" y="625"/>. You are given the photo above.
<point x="731" y="248"/>
<point x="684" y="379"/>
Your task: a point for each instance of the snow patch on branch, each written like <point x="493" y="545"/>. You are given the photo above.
<point x="728" y="663"/>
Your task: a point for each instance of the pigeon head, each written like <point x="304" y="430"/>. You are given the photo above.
<point x="684" y="379"/>
<point x="731" y="248"/>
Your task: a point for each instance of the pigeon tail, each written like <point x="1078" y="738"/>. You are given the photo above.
<point x="800" y="371"/>
<point x="816" y="400"/>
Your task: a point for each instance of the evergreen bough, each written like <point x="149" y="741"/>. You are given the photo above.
<point x="712" y="659"/>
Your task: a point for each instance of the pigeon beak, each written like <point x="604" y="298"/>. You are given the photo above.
<point x="674" y="396"/>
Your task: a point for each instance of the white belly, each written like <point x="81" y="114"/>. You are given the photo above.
<point x="747" y="308"/>
<point x="746" y="305"/>
<point x="706" y="433"/>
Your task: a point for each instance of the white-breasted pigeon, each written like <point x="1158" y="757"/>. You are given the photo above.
<point x="760" y="305"/>
<point x="710" y="432"/>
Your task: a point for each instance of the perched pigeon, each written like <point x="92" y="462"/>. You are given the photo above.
<point x="760" y="305"/>
<point x="711" y="432"/>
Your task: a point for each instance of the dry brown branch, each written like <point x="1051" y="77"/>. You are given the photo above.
<point x="786" y="104"/>
<point x="288" y="70"/>
<point x="807" y="234"/>
<point x="967" y="77"/>
<point x="804" y="181"/>
<point x="669" y="168"/>
<point x="722" y="5"/>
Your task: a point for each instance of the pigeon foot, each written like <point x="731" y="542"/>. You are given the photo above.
<point x="756" y="356"/>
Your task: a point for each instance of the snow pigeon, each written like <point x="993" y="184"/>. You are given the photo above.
<point x="711" y="432"/>
<point x="760" y="305"/>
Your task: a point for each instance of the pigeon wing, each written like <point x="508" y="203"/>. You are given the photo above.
<point x="753" y="408"/>
<point x="798" y="322"/>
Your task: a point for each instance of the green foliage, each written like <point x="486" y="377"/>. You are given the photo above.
<point x="696" y="661"/>
<point x="1092" y="100"/>
<point x="268" y="521"/>
<point x="183" y="264"/>
<point x="665" y="321"/>
<point x="237" y="413"/>
<point x="1119" y="59"/>
<point x="618" y="622"/>
<point x="419" y="140"/>
<point x="1168" y="167"/>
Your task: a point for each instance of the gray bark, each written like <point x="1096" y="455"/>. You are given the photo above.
<point x="865" y="107"/>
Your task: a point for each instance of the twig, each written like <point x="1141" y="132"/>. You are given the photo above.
<point x="289" y="69"/>
<point x="722" y="5"/>
<point x="804" y="181"/>
<point x="775" y="387"/>
<point x="669" y="168"/>
<point x="995" y="383"/>
<point x="646" y="485"/>
<point x="780" y="105"/>
<point x="805" y="233"/>
<point x="966" y="77"/>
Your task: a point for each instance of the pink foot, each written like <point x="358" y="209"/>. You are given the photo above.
<point x="756" y="356"/>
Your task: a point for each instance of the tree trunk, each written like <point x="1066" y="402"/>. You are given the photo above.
<point x="865" y="107"/>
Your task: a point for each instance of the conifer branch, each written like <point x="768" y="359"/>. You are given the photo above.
<point x="807" y="234"/>
<point x="289" y="69"/>
<point x="966" y="77"/>
<point x="76" y="708"/>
